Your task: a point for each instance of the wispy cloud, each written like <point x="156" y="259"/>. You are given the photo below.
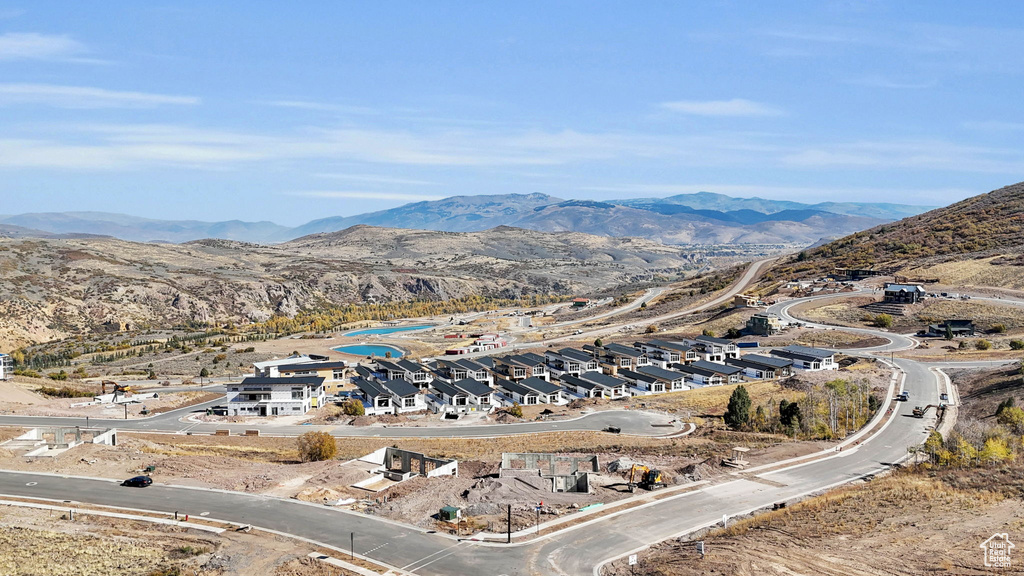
<point x="365" y="195"/>
<point x="890" y="83"/>
<point x="321" y="107"/>
<point x="734" y="107"/>
<point x="33" y="46"/>
<point x="376" y="179"/>
<point x="81" y="97"/>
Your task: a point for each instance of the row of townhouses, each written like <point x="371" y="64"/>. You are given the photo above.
<point x="295" y="385"/>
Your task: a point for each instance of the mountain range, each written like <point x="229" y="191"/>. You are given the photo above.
<point x="700" y="218"/>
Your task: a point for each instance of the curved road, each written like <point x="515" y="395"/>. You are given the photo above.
<point x="575" y="551"/>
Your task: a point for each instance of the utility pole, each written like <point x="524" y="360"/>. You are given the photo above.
<point x="509" y="529"/>
<point x="125" y="410"/>
<point x="352" y="546"/>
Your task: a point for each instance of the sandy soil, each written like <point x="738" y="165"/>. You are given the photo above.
<point x="63" y="406"/>
<point x="44" y="542"/>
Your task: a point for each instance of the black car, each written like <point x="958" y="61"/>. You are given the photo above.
<point x="138" y="482"/>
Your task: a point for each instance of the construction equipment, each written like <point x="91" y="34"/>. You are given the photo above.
<point x="648" y="478"/>
<point x="919" y="412"/>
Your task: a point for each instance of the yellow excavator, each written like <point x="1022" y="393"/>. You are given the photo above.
<point x="644" y="477"/>
<point x="919" y="412"/>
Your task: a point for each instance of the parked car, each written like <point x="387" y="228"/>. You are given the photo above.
<point x="904" y="396"/>
<point x="944" y="397"/>
<point x="138" y="482"/>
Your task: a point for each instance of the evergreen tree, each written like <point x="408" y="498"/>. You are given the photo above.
<point x="737" y="414"/>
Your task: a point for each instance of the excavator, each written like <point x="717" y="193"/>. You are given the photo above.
<point x="648" y="478"/>
<point x="118" y="388"/>
<point x="919" y="412"/>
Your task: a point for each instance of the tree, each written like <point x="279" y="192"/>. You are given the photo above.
<point x="316" y="446"/>
<point x="949" y="332"/>
<point x="883" y="321"/>
<point x="204" y="373"/>
<point x="760" y="421"/>
<point x="1013" y="418"/>
<point x="733" y="333"/>
<point x="994" y="451"/>
<point x="151" y="375"/>
<point x="598" y="343"/>
<point x="737" y="415"/>
<point x="873" y="403"/>
<point x="789" y="414"/>
<point x="643" y="306"/>
<point x="1008" y="403"/>
<point x="353" y="408"/>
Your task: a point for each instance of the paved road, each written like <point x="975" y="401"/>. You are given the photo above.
<point x="630" y="421"/>
<point x="574" y="552"/>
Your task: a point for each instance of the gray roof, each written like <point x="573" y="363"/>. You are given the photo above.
<point x="294" y="381"/>
<point x="571" y="380"/>
<point x="603" y="379"/>
<point x="803" y="352"/>
<point x="312" y="366"/>
<point x="716" y="367"/>
<point x="400" y="387"/>
<point x="473" y="387"/>
<point x="631" y="375"/>
<point x="904" y="287"/>
<point x="661" y="373"/>
<point x="759" y="362"/>
<point x="528" y="386"/>
<point x="622" y="350"/>
<point x="574" y="354"/>
<point x="713" y="340"/>
<point x="666" y="345"/>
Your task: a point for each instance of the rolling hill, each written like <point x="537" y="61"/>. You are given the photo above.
<point x="701" y="218"/>
<point x="983" y="231"/>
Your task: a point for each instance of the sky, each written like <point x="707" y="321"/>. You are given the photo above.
<point x="288" y="112"/>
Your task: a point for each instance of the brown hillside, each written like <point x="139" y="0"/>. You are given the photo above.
<point x="985" y="225"/>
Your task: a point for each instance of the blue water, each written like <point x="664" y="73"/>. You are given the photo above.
<point x="368" y="349"/>
<point x="388" y="330"/>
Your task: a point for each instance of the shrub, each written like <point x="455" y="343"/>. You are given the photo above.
<point x="983" y="344"/>
<point x="598" y="343"/>
<point x="353" y="408"/>
<point x="998" y="328"/>
<point x="883" y="321"/>
<point x="204" y="373"/>
<point x="316" y="446"/>
<point x="62" y="375"/>
<point x="733" y="333"/>
<point x="709" y="333"/>
<point x="515" y="410"/>
<point x="651" y="329"/>
<point x="1016" y="344"/>
<point x="64" y="392"/>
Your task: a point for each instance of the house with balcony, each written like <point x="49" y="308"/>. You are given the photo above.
<point x="764" y="324"/>
<point x="461" y="369"/>
<point x="761" y="367"/>
<point x="616" y="357"/>
<point x="333" y="372"/>
<point x="6" y="367"/>
<point x="271" y="368"/>
<point x="807" y="358"/>
<point x="571" y="361"/>
<point x="673" y="381"/>
<point x="596" y="385"/>
<point x="462" y="396"/>
<point x="518" y="367"/>
<point x="641" y="383"/>
<point x="416" y="374"/>
<point x="261" y="396"/>
<point x="389" y="397"/>
<point x="664" y="353"/>
<point x="728" y="347"/>
<point x="530" y="391"/>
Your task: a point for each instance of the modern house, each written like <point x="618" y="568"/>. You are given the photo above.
<point x="461" y="396"/>
<point x="402" y="369"/>
<point x="673" y="381"/>
<point x="903" y="293"/>
<point x="957" y="328"/>
<point x="643" y="383"/>
<point x="390" y="397"/>
<point x="571" y="361"/>
<point x="728" y="347"/>
<point x="619" y="357"/>
<point x="521" y="366"/>
<point x="261" y="396"/>
<point x="454" y="370"/>
<point x="578" y="303"/>
<point x="762" y="367"/>
<point x="806" y="358"/>
<point x="271" y="368"/>
<point x="666" y="353"/>
<point x="710" y="373"/>
<point x="764" y="324"/>
<point x="596" y="385"/>
<point x="531" y="391"/>
<point x="333" y="373"/>
<point x="6" y="367"/>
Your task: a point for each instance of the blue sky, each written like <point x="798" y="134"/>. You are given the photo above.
<point x="253" y="111"/>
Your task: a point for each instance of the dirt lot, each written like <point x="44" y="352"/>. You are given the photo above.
<point x="848" y="312"/>
<point x="45" y="542"/>
<point x="905" y="524"/>
<point x="981" y="391"/>
<point x="19" y="398"/>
